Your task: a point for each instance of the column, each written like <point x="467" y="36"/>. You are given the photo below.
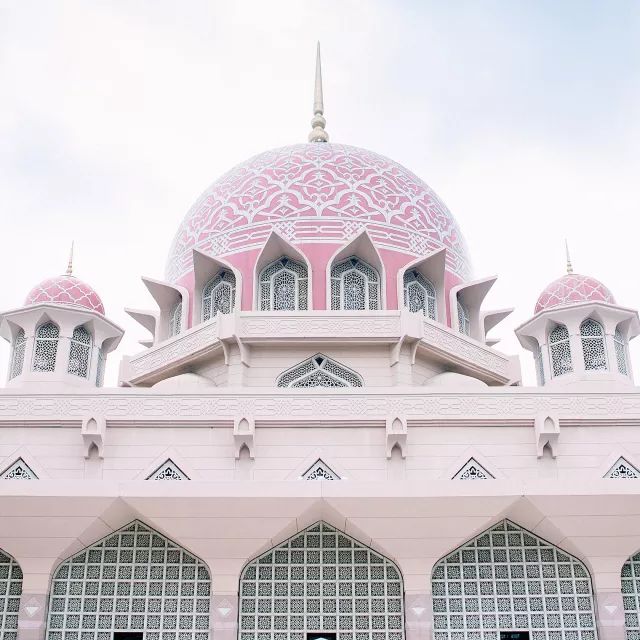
<point x="32" y="621"/>
<point x="608" y="601"/>
<point x="224" y="598"/>
<point x="418" y="604"/>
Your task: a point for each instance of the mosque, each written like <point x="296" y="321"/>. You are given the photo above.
<point x="318" y="438"/>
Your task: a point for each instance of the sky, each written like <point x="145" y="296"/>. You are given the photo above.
<point x="523" y="116"/>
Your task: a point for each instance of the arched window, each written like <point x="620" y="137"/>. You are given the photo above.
<point x="537" y="357"/>
<point x="621" y="352"/>
<point x="283" y="286"/>
<point x="464" y="324"/>
<point x="133" y="580"/>
<point x="630" y="577"/>
<point x="46" y="347"/>
<point x="175" y="319"/>
<point x="10" y="592"/>
<point x="419" y="294"/>
<point x="355" y="286"/>
<point x="17" y="355"/>
<point x="102" y="362"/>
<point x="560" y="351"/>
<point x="593" y="349"/>
<point x="79" y="353"/>
<point x="321" y="579"/>
<point x="218" y="295"/>
<point x="319" y="371"/>
<point x="508" y="578"/>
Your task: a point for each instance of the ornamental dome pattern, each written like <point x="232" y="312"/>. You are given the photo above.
<point x="573" y="288"/>
<point x="67" y="290"/>
<point x="318" y="193"/>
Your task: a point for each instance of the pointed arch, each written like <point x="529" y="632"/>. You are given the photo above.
<point x="630" y="583"/>
<point x="620" y="345"/>
<point x="16" y="364"/>
<point x="464" y="323"/>
<point x="319" y="371"/>
<point x="163" y="585"/>
<point x="175" y="319"/>
<point x="219" y="294"/>
<point x="321" y="580"/>
<point x="509" y="578"/>
<point x="594" y="350"/>
<point x="80" y="352"/>
<point x="46" y="347"/>
<point x="560" y="351"/>
<point x="10" y="592"/>
<point x="419" y="294"/>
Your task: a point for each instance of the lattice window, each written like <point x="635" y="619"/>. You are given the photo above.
<point x="175" y="319"/>
<point x="623" y="470"/>
<point x="593" y="349"/>
<point x="132" y="580"/>
<point x="46" y="347"/>
<point x="284" y="286"/>
<point x="355" y="286"/>
<point x="168" y="470"/>
<point x="419" y="294"/>
<point x="219" y="295"/>
<point x="79" y="353"/>
<point x="17" y="355"/>
<point x="560" y="351"/>
<point x="473" y="470"/>
<point x="100" y="369"/>
<point x="621" y="352"/>
<point x="19" y="470"/>
<point x="10" y="592"/>
<point x="537" y="358"/>
<point x="508" y="578"/>
<point x="630" y="577"/>
<point x="321" y="580"/>
<point x="319" y="371"/>
<point x="464" y="324"/>
<point x="320" y="471"/>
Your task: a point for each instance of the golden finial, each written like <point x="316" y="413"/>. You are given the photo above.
<point x="70" y="264"/>
<point x="318" y="134"/>
<point x="569" y="265"/>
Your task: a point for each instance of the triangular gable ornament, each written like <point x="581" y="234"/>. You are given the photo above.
<point x="19" y="470"/>
<point x="320" y="471"/>
<point x="623" y="469"/>
<point x="168" y="470"/>
<point x="473" y="470"/>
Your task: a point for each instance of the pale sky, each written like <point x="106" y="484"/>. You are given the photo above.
<point x="523" y="116"/>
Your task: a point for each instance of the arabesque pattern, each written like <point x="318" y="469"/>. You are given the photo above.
<point x="318" y="193"/>
<point x="65" y="290"/>
<point x="573" y="288"/>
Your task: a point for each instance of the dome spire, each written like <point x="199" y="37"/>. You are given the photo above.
<point x="318" y="134"/>
<point x="569" y="265"/>
<point x="70" y="263"/>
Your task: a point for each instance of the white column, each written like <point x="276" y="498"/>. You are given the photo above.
<point x="224" y="598"/>
<point x="609" y="607"/>
<point x="32" y="621"/>
<point x="418" y="602"/>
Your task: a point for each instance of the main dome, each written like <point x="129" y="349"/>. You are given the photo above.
<point x="318" y="193"/>
<point x="67" y="290"/>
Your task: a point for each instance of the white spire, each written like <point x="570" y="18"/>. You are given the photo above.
<point x="70" y="263"/>
<point x="569" y="265"/>
<point x="318" y="134"/>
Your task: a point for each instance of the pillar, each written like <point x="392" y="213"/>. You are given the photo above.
<point x="608" y="602"/>
<point x="32" y="621"/>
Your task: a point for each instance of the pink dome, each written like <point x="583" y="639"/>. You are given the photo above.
<point x="573" y="288"/>
<point x="67" y="290"/>
<point x="318" y="193"/>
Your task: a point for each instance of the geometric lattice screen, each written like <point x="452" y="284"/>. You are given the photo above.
<point x="509" y="579"/>
<point x="631" y="596"/>
<point x="133" y="580"/>
<point x="10" y="591"/>
<point x="321" y="580"/>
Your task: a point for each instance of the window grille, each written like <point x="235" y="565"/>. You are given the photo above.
<point x="623" y="470"/>
<point x="19" y="470"/>
<point x="621" y="352"/>
<point x="46" y="347"/>
<point x="355" y="286"/>
<point x="321" y="580"/>
<point x="102" y="363"/>
<point x="319" y="371"/>
<point x="10" y="592"/>
<point x="284" y="286"/>
<point x="17" y="355"/>
<point x="537" y="357"/>
<point x="419" y="294"/>
<point x="473" y="470"/>
<point x="560" y="351"/>
<point x="168" y="470"/>
<point x="593" y="349"/>
<point x="508" y="578"/>
<point x="320" y="471"/>
<point x="175" y="319"/>
<point x="218" y="295"/>
<point x="79" y="352"/>
<point x="630" y="577"/>
<point x="133" y="580"/>
<point x="464" y="324"/>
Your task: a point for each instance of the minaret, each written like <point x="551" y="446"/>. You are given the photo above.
<point x="318" y="134"/>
